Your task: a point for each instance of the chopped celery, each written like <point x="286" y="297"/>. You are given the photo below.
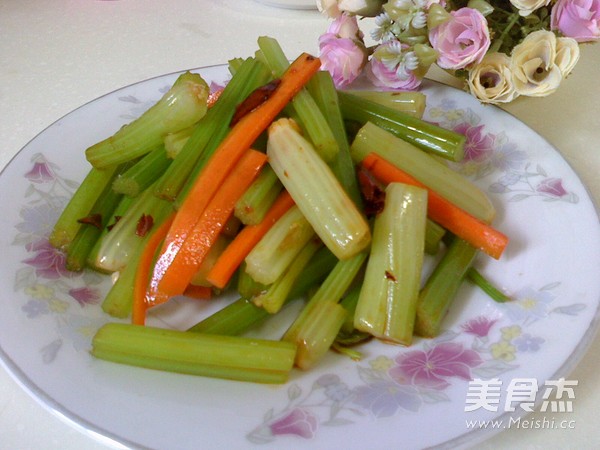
<point x="387" y="304"/>
<point x="258" y="198"/>
<point x="174" y="142"/>
<point x="242" y="314"/>
<point x="433" y="237"/>
<point x="323" y="90"/>
<point x="116" y="247"/>
<point x="425" y="168"/>
<point x="409" y="102"/>
<point x="143" y="173"/>
<point x="67" y="225"/>
<point x="273" y="298"/>
<point x="279" y="246"/>
<point x="310" y="117"/>
<point x="426" y="136"/>
<point x="211" y="129"/>
<point x="316" y="191"/>
<point x="441" y="287"/>
<point x="229" y="357"/>
<point x="486" y="286"/>
<point x="183" y="105"/>
<point x="119" y="299"/>
<point x="199" y="278"/>
<point x="247" y="286"/>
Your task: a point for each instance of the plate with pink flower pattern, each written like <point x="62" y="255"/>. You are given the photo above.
<point x="492" y="361"/>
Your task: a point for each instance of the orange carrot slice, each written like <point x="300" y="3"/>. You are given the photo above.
<point x="228" y="262"/>
<point x="479" y="234"/>
<point x="142" y="276"/>
<point x="171" y="280"/>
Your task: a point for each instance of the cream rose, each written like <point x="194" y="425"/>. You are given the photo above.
<point x="567" y="54"/>
<point x="526" y="7"/>
<point x="491" y="80"/>
<point x="533" y="64"/>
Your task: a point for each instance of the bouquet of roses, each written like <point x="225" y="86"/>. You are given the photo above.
<point x="501" y="48"/>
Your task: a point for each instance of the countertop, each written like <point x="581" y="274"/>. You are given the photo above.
<point x="58" y="55"/>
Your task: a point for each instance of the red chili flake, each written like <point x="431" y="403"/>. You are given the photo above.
<point x="254" y="100"/>
<point x="93" y="219"/>
<point x="372" y="193"/>
<point x="144" y="225"/>
<point x="390" y="276"/>
<point x="110" y="227"/>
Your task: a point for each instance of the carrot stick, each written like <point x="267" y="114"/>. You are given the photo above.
<point x="198" y="292"/>
<point x="479" y="234"/>
<point x="226" y="155"/>
<point x="173" y="279"/>
<point x="138" y="314"/>
<point x="227" y="263"/>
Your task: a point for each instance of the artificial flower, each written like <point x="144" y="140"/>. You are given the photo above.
<point x="526" y="7"/>
<point x="393" y="67"/>
<point x="491" y="80"/>
<point x="533" y="65"/>
<point x="461" y="41"/>
<point x="567" y="54"/>
<point x="578" y="19"/>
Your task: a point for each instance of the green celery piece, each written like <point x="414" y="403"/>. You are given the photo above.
<point x="66" y="227"/>
<point x="84" y="241"/>
<point x="424" y="167"/>
<point x="182" y="106"/>
<point x="316" y="336"/>
<point x="174" y="142"/>
<point x="310" y="117"/>
<point x="276" y="250"/>
<point x="210" y="130"/>
<point x="486" y="286"/>
<point x="247" y="286"/>
<point x="119" y="298"/>
<point x="441" y="287"/>
<point x="424" y="135"/>
<point x="387" y="304"/>
<point x="273" y="298"/>
<point x="258" y="198"/>
<point x="408" y="102"/>
<point x="228" y="357"/>
<point x="322" y="88"/>
<point x="433" y="237"/>
<point x="332" y="290"/>
<point x="142" y="174"/>
<point x="116" y="247"/>
<point x="242" y="314"/>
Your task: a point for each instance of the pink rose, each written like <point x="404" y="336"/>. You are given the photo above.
<point x="386" y="79"/>
<point x="345" y="26"/>
<point x="577" y="19"/>
<point x="462" y="40"/>
<point x="343" y="58"/>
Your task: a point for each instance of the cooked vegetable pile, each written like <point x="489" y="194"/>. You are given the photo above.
<point x="281" y="188"/>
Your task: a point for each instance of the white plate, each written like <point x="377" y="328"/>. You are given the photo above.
<point x="394" y="397"/>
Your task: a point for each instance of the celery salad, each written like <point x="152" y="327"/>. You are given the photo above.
<point x="280" y="188"/>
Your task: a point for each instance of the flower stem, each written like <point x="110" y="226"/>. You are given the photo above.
<point x="513" y="19"/>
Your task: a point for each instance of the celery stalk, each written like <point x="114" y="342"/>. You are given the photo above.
<point x="388" y="299"/>
<point x="310" y="117"/>
<point x="323" y="90"/>
<point x="486" y="286"/>
<point x="229" y="357"/>
<point x="441" y="287"/>
<point x="316" y="191"/>
<point x="273" y="298"/>
<point x="143" y="173"/>
<point x="408" y="102"/>
<point x="174" y="142"/>
<point x="258" y="198"/>
<point x="279" y="246"/>
<point x="424" y="135"/>
<point x="425" y="168"/>
<point x="210" y="130"/>
<point x="67" y="225"/>
<point x="242" y="314"/>
<point x="183" y="105"/>
<point x="433" y="237"/>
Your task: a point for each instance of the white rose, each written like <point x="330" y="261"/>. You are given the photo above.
<point x="526" y="7"/>
<point x="533" y="65"/>
<point x="567" y="54"/>
<point x="491" y="80"/>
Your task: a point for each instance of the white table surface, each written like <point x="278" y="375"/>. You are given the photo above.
<point x="57" y="55"/>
